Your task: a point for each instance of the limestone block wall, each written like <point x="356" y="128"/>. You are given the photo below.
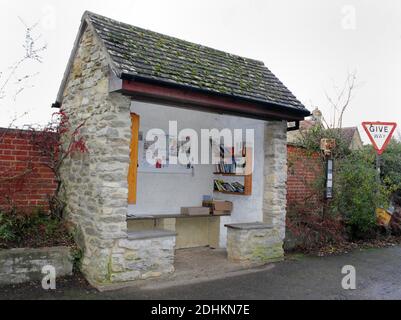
<point x="275" y="175"/>
<point x="254" y="245"/>
<point x="142" y="258"/>
<point x="95" y="183"/>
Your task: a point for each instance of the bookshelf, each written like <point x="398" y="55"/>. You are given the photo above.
<point x="246" y="175"/>
<point x="247" y="184"/>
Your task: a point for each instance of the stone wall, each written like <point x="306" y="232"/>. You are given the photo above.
<point x="254" y="243"/>
<point x="96" y="188"/>
<point x="275" y="189"/>
<point x="25" y="265"/>
<point x="134" y="259"/>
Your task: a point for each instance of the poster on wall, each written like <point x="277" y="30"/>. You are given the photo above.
<point x="161" y="151"/>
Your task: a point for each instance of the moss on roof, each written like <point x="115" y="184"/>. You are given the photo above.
<point x="159" y="57"/>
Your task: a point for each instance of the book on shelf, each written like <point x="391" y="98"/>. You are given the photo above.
<point x="223" y="186"/>
<point x="230" y="169"/>
<point x="238" y="162"/>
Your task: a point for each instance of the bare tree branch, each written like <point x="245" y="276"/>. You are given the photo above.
<point x="350" y="85"/>
<point x="32" y="52"/>
<point x="341" y="99"/>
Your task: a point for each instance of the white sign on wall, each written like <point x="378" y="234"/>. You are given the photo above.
<point x="379" y="133"/>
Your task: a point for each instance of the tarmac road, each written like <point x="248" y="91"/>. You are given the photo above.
<point x="378" y="276"/>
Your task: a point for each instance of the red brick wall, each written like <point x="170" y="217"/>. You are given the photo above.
<point x="25" y="180"/>
<point x="303" y="170"/>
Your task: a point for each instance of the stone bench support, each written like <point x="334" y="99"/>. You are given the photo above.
<point x="143" y="255"/>
<point x="253" y="243"/>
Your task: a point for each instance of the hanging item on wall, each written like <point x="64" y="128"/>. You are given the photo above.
<point x="154" y="153"/>
<point x="160" y="154"/>
<point x="184" y="148"/>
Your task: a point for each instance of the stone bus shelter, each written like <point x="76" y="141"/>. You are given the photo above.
<point x="121" y="77"/>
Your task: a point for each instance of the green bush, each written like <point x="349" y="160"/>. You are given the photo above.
<point x="391" y="165"/>
<point x="310" y="140"/>
<point x="357" y="194"/>
<point x="6" y="228"/>
<point x="33" y="229"/>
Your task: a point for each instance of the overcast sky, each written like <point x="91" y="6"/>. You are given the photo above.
<point x="310" y="45"/>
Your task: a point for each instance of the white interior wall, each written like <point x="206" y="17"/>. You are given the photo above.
<point x="166" y="193"/>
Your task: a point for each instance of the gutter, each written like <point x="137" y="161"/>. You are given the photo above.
<point x="275" y="106"/>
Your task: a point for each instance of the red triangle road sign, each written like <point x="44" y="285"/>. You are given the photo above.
<point x="379" y="133"/>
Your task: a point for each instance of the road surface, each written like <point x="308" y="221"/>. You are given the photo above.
<point x="378" y="276"/>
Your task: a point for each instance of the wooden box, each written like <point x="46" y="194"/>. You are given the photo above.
<point x="195" y="211"/>
<point x="218" y="208"/>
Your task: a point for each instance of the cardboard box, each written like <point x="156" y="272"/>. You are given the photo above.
<point x="195" y="211"/>
<point x="218" y="207"/>
<point x="225" y="206"/>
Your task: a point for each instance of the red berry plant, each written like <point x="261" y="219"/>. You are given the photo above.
<point x="56" y="142"/>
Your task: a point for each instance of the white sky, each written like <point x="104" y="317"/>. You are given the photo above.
<point x="308" y="44"/>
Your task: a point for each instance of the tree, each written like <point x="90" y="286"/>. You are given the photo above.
<point x="339" y="100"/>
<point x="14" y="80"/>
<point x="32" y="52"/>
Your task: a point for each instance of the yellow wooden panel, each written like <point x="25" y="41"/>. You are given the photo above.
<point x="192" y="232"/>
<point x="248" y="172"/>
<point x="133" y="167"/>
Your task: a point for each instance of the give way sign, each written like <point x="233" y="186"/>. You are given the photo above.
<point x="379" y="133"/>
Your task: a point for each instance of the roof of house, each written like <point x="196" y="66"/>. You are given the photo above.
<point x="140" y="53"/>
<point x="348" y="134"/>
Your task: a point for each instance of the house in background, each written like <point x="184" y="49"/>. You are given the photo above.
<point x="351" y="135"/>
<point x="305" y="168"/>
<point x="126" y="81"/>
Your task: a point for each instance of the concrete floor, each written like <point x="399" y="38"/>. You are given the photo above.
<point x="194" y="266"/>
<point x="378" y="274"/>
<point x="197" y="265"/>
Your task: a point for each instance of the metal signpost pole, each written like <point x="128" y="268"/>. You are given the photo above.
<point x="378" y="169"/>
<point x="380" y="134"/>
<point x="378" y="178"/>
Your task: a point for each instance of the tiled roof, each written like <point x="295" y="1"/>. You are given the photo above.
<point x="138" y="52"/>
<point x="348" y="134"/>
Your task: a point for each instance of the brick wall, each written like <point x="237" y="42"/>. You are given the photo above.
<point x="25" y="180"/>
<point x="303" y="170"/>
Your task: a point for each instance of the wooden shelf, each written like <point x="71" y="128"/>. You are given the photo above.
<point x="230" y="174"/>
<point x="247" y="186"/>
<point x="247" y="176"/>
<point x="232" y="193"/>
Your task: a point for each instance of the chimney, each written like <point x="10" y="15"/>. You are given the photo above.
<point x="317" y="115"/>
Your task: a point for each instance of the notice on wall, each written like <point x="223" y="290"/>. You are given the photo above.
<point x="161" y="154"/>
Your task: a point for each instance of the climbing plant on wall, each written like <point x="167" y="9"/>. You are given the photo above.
<point x="57" y="141"/>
